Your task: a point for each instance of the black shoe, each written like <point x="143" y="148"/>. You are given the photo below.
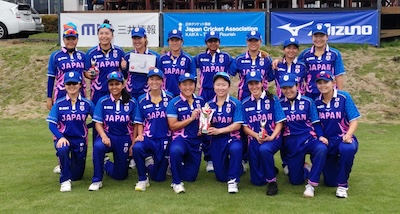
<point x="276" y="170"/>
<point x="272" y="188"/>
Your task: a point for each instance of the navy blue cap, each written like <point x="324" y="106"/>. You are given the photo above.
<point x="254" y="76"/>
<point x="156" y="72"/>
<point x="223" y="75"/>
<point x="324" y="75"/>
<point x="115" y="75"/>
<point x="212" y="35"/>
<point x="138" y="31"/>
<point x="288" y="80"/>
<point x="320" y="28"/>
<point x="175" y="34"/>
<point x="291" y="41"/>
<point x="186" y="76"/>
<point x="72" y="76"/>
<point x="254" y="35"/>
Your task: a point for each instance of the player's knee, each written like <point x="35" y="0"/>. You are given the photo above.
<point x="63" y="151"/>
<point x="236" y="147"/>
<point x="98" y="146"/>
<point x="175" y="150"/>
<point x="138" y="147"/>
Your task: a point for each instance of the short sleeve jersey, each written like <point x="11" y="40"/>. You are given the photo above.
<point x="263" y="109"/>
<point x="301" y="114"/>
<point x="330" y="60"/>
<point x="71" y="118"/>
<point x="117" y="117"/>
<point x="336" y="115"/>
<point x="152" y="116"/>
<point x="173" y="67"/>
<point x="179" y="108"/>
<point x="296" y="67"/>
<point x="223" y="116"/>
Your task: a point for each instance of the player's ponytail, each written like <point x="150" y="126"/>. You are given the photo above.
<point x="269" y="95"/>
<point x="125" y="96"/>
<point x="264" y="54"/>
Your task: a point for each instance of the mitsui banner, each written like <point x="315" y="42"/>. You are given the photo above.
<point x="343" y="27"/>
<point x="232" y="26"/>
<point x="122" y="23"/>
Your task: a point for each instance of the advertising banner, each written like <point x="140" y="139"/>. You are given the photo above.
<point x="343" y="27"/>
<point x="233" y="26"/>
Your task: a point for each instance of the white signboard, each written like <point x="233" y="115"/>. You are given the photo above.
<point x="122" y="23"/>
<point x="141" y="63"/>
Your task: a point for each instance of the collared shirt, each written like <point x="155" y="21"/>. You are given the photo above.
<point x="263" y="109"/>
<point x="117" y="117"/>
<point x="153" y="116"/>
<point x="245" y="64"/>
<point x="301" y="114"/>
<point x="336" y="115"/>
<point x="179" y="108"/>
<point x="137" y="82"/>
<point x="296" y="67"/>
<point x="223" y="116"/>
<point x="209" y="65"/>
<point x="71" y="118"/>
<point x="106" y="62"/>
<point x="173" y="67"/>
<point x="330" y="60"/>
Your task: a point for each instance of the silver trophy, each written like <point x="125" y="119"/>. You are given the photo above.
<point x="93" y="70"/>
<point x="205" y="118"/>
<point x="262" y="133"/>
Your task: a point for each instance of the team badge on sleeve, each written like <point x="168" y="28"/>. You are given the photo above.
<point x="301" y="107"/>
<point x="336" y="104"/>
<point x="82" y="108"/>
<point x="126" y="107"/>
<point x="261" y="61"/>
<point x="221" y="58"/>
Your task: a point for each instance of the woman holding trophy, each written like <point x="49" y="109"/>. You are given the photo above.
<point x="263" y="122"/>
<point x="225" y="120"/>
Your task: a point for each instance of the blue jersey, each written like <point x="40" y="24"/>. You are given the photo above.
<point x="106" y="62"/>
<point x="301" y="114"/>
<point x="211" y="64"/>
<point x="136" y="83"/>
<point x="263" y="109"/>
<point x="336" y="115"/>
<point x="71" y="119"/>
<point x="245" y="64"/>
<point x="331" y="61"/>
<point x="61" y="62"/>
<point x="296" y="67"/>
<point x="117" y="117"/>
<point x="179" y="108"/>
<point x="223" y="116"/>
<point x="152" y="116"/>
<point x="174" y="67"/>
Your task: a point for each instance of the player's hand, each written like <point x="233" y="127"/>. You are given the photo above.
<point x="106" y="141"/>
<point x="49" y="103"/>
<point x="275" y="64"/>
<point x="347" y="138"/>
<point x="195" y="114"/>
<point x="213" y="131"/>
<point x="323" y="140"/>
<point x="139" y="138"/>
<point x="123" y="63"/>
<point x="62" y="142"/>
<point x="131" y="150"/>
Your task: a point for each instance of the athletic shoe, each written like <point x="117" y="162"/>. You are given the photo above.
<point x="148" y="161"/>
<point x="244" y="166"/>
<point x="341" y="192"/>
<point x="168" y="172"/>
<point x="141" y="185"/>
<point x="106" y="158"/>
<point x="307" y="166"/>
<point x="132" y="164"/>
<point x="95" y="186"/>
<point x="309" y="192"/>
<point x="57" y="169"/>
<point x="233" y="186"/>
<point x="178" y="188"/>
<point x="276" y="170"/>
<point x="66" y="186"/>
<point x="210" y="166"/>
<point x="286" y="170"/>
<point x="272" y="188"/>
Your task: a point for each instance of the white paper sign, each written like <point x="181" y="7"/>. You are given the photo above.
<point x="141" y="63"/>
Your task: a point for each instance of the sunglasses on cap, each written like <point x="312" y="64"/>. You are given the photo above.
<point x="105" y="25"/>
<point x="323" y="74"/>
<point x="114" y="75"/>
<point x="70" y="31"/>
<point x="71" y="83"/>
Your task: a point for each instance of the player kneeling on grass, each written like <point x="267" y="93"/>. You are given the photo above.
<point x="301" y="132"/>
<point x="338" y="115"/>
<point x="225" y="144"/>
<point x="153" y="131"/>
<point x="263" y="122"/>
<point x="183" y="114"/>
<point x="67" y="121"/>
<point x="113" y="117"/>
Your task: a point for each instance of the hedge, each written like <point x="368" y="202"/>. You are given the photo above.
<point x="50" y="23"/>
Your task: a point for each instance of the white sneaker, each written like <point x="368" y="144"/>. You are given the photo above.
<point x="341" y="192"/>
<point x="141" y="185"/>
<point x="233" y="186"/>
<point x="95" y="186"/>
<point x="178" y="188"/>
<point x="286" y="170"/>
<point x="148" y="161"/>
<point x="57" y="169"/>
<point x="66" y="186"/>
<point x="132" y="164"/>
<point x="210" y="166"/>
<point x="244" y="166"/>
<point x="106" y="158"/>
<point x="168" y="172"/>
<point x="309" y="192"/>
<point x="307" y="166"/>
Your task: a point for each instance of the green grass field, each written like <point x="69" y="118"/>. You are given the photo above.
<point x="28" y="185"/>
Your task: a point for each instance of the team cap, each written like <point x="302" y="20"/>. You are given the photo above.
<point x="253" y="35"/>
<point x="175" y="34"/>
<point x="115" y="75"/>
<point x="70" y="30"/>
<point x="72" y="76"/>
<point x="291" y="41"/>
<point x="320" y="28"/>
<point x="138" y="32"/>
<point x="186" y="76"/>
<point x="156" y="72"/>
<point x="254" y="76"/>
<point x="212" y="35"/>
<point x="288" y="80"/>
<point x="223" y="75"/>
<point x="324" y="75"/>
